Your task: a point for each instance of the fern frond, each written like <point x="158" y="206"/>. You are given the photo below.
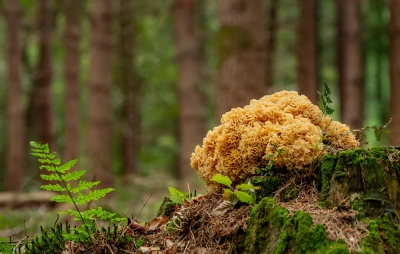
<point x="63" y="199"/>
<point x="67" y="166"/>
<point x="50" y="177"/>
<point x="92" y="195"/>
<point x="75" y="175"/>
<point x="50" y="161"/>
<point x="53" y="187"/>
<point x="83" y="185"/>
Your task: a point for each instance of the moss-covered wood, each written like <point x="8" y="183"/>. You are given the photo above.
<point x="369" y="178"/>
<point x="271" y="230"/>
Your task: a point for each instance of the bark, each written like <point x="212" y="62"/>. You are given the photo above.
<point x="192" y="120"/>
<point x="43" y="93"/>
<point x="71" y="74"/>
<point x="394" y="33"/>
<point x="350" y="63"/>
<point x="272" y="25"/>
<point x="307" y="72"/>
<point x="130" y="127"/>
<point x="242" y="53"/>
<point x="15" y="160"/>
<point x="99" y="146"/>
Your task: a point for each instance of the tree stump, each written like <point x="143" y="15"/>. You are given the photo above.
<point x="366" y="180"/>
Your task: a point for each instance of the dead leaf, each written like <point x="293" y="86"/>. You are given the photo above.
<point x="136" y="226"/>
<point x="222" y="208"/>
<point x="158" y="221"/>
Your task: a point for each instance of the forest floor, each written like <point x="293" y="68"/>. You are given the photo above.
<point x="140" y="198"/>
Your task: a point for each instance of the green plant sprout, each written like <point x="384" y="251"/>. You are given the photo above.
<point x="176" y="196"/>
<point x="325" y="101"/>
<point x="378" y="132"/>
<point x="80" y="195"/>
<point x="244" y="192"/>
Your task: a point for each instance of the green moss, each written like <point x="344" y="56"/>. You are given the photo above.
<point x="290" y="193"/>
<point x="369" y="172"/>
<point x="268" y="186"/>
<point x="231" y="40"/>
<point x="167" y="207"/>
<point x="271" y="230"/>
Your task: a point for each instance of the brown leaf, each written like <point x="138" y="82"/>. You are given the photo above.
<point x="158" y="221"/>
<point x="136" y="226"/>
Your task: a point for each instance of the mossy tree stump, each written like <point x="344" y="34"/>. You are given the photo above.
<point x="365" y="179"/>
<point x="369" y="178"/>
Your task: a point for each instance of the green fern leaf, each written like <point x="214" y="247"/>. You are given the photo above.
<point x="50" y="177"/>
<point x="63" y="199"/>
<point x="53" y="187"/>
<point x="92" y="195"/>
<point x="74" y="175"/>
<point x="83" y="185"/>
<point x="244" y="197"/>
<point x="218" y="178"/>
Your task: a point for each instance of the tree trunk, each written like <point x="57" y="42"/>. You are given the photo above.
<point x="307" y="73"/>
<point x="242" y="53"/>
<point x="272" y="25"/>
<point x="16" y="143"/>
<point x="40" y="118"/>
<point x="130" y="126"/>
<point x="99" y="146"/>
<point x="192" y="120"/>
<point x="394" y="33"/>
<point x="71" y="73"/>
<point x="350" y="63"/>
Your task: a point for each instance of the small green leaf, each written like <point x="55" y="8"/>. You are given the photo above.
<point x="244" y="197"/>
<point x="247" y="186"/>
<point x="176" y="195"/>
<point x="222" y="180"/>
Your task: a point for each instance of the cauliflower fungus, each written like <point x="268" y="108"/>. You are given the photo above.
<point x="249" y="137"/>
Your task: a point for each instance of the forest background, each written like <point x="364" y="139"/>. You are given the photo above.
<point x="131" y="87"/>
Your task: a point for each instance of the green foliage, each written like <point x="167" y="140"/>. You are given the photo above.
<point x="218" y="178"/>
<point x="325" y="101"/>
<point x="244" y="192"/>
<point x="176" y="195"/>
<point x="139" y="242"/>
<point x="54" y="241"/>
<point x="378" y="132"/>
<point x="62" y="174"/>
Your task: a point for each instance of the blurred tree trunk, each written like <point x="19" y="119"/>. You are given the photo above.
<point x="307" y="71"/>
<point x="72" y="37"/>
<point x="242" y="51"/>
<point x="351" y="81"/>
<point x="192" y="121"/>
<point x="99" y="146"/>
<point x="272" y="10"/>
<point x="16" y="146"/>
<point x="378" y="48"/>
<point x="127" y="80"/>
<point x="394" y="33"/>
<point x="40" y="110"/>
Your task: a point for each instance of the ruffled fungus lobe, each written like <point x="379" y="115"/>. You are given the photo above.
<point x="249" y="137"/>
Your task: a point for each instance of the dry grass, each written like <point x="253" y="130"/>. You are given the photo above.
<point x="338" y="224"/>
